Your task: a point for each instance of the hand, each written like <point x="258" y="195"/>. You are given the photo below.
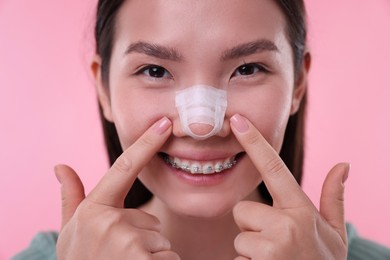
<point x="292" y="228"/>
<point x="97" y="226"/>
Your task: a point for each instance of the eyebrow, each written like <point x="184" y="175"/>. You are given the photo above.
<point x="154" y="50"/>
<point x="249" y="48"/>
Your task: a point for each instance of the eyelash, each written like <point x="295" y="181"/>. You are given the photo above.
<point x="157" y="69"/>
<point x="255" y="68"/>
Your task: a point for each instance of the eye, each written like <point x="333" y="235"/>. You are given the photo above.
<point x="248" y="70"/>
<point x="154" y="71"/>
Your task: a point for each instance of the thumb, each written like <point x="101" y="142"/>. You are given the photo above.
<point x="72" y="191"/>
<point x="332" y="198"/>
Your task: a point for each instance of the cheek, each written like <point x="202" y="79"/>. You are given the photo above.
<point x="136" y="110"/>
<point x="267" y="108"/>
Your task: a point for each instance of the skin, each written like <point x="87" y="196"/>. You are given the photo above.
<point x="129" y="93"/>
<point x="220" y="221"/>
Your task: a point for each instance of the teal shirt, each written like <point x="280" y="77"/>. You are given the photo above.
<point x="43" y="247"/>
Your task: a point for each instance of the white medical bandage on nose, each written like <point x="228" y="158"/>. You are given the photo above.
<point x="201" y="104"/>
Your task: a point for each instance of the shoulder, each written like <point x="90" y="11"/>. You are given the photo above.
<point x="362" y="249"/>
<point x="42" y="247"/>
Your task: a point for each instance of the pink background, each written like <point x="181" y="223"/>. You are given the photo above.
<point x="48" y="110"/>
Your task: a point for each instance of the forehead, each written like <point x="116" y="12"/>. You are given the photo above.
<point x="188" y="23"/>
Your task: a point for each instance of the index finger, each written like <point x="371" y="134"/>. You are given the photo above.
<point x="280" y="183"/>
<point x="116" y="183"/>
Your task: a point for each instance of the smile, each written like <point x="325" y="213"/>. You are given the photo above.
<point x="201" y="167"/>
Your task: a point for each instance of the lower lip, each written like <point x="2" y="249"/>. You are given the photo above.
<point x="201" y="179"/>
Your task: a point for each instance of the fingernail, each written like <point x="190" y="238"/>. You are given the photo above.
<point x="162" y="125"/>
<point x="346" y="172"/>
<point x="239" y="123"/>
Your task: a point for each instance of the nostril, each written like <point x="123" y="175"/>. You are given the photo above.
<point x="200" y="129"/>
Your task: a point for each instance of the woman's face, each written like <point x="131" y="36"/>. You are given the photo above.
<point x="162" y="46"/>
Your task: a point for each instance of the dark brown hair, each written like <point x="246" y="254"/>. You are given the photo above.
<point x="292" y="151"/>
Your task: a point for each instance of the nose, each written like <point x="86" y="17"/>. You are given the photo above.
<point x="200" y="129"/>
<point x="201" y="110"/>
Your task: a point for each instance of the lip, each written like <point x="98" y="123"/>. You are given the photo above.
<point x="203" y="179"/>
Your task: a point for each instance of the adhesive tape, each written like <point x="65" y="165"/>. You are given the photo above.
<point x="201" y="104"/>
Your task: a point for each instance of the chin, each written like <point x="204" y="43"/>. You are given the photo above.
<point x="204" y="206"/>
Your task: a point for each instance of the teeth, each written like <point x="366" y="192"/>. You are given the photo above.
<point x="227" y="164"/>
<point x="195" y="167"/>
<point x="176" y="162"/>
<point x="218" y="167"/>
<point x="208" y="168"/>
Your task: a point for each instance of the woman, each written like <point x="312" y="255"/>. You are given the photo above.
<point x="250" y="208"/>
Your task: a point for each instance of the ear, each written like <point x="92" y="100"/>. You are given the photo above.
<point x="102" y="91"/>
<point x="301" y="83"/>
